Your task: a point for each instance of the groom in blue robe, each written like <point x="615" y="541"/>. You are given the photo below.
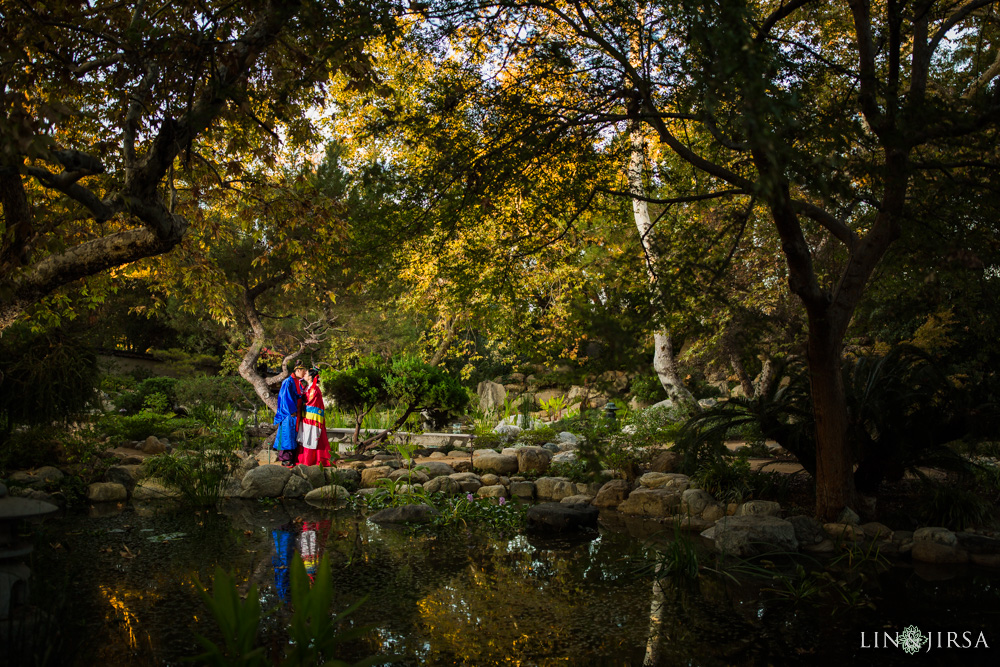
<point x="290" y="398"/>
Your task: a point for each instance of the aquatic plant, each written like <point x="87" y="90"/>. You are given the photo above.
<point x="469" y="510"/>
<point x="315" y="634"/>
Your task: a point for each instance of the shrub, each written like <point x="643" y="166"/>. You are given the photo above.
<point x="955" y="507"/>
<point x="215" y="391"/>
<point x="135" y="400"/>
<point x="121" y="428"/>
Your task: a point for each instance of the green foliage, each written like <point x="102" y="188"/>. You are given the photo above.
<point x="215" y="391"/>
<point x="648" y="388"/>
<point x="575" y="471"/>
<point x="44" y="376"/>
<point x="135" y="400"/>
<point x="679" y="558"/>
<point x="625" y="450"/>
<point x="731" y="480"/>
<point x="955" y="506"/>
<point x="537" y="437"/>
<point x="202" y="469"/>
<point x="782" y="412"/>
<point x="122" y="428"/>
<point x="315" y="634"/>
<point x="413" y="383"/>
<point x="554" y="407"/>
<point x="469" y="510"/>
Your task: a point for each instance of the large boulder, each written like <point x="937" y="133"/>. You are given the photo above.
<point x="696" y="501"/>
<point x="498" y="464"/>
<point x="469" y="482"/>
<point x="564" y="458"/>
<point x="612" y="494"/>
<point x="494" y="491"/>
<point x="153" y="445"/>
<point x="651" y="502"/>
<point x="523" y="490"/>
<point x="532" y="459"/>
<point x="759" y="508"/>
<point x="296" y="487"/>
<point x="445" y="485"/>
<point x="312" y="474"/>
<point x="329" y="495"/>
<point x="750" y="535"/>
<point x="267" y="481"/>
<point x="37" y="478"/>
<point x="419" y="513"/>
<point x="554" y="488"/>
<point x="106" y="492"/>
<point x="438" y="468"/>
<point x="659" y="480"/>
<point x="491" y="395"/>
<point x="370" y="476"/>
<point x="667" y="461"/>
<point x="808" y="530"/>
<point x="127" y="476"/>
<point x="349" y="478"/>
<point x="409" y="476"/>
<point x="556" y="517"/>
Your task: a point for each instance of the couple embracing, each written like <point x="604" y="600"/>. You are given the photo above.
<point x="301" y="437"/>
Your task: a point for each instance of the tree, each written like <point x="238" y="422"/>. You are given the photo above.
<point x="108" y="107"/>
<point x="819" y="112"/>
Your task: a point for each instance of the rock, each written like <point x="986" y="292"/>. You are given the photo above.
<point x="935" y="534"/>
<point x="498" y="464"/>
<point x="877" y="531"/>
<point x="438" y="455"/>
<point x="695" y="524"/>
<point x="666" y="462"/>
<point x="437" y="468"/>
<point x="296" y="487"/>
<point x="358" y="465"/>
<point x="312" y="474"/>
<point x="978" y="544"/>
<point x="106" y="492"/>
<point x="554" y="488"/>
<point x="818" y="548"/>
<point x="464" y="465"/>
<point x="713" y="512"/>
<point x="558" y="517"/>
<point x="533" y="459"/>
<point x="329" y="495"/>
<point x="153" y="446"/>
<point x="759" y="508"/>
<point x="694" y="501"/>
<point x="523" y="490"/>
<point x="508" y="430"/>
<point x="930" y="551"/>
<point x="370" y="476"/>
<point x="848" y="516"/>
<point x="985" y="560"/>
<point x="651" y="502"/>
<point x="349" y="478"/>
<point x="564" y="458"/>
<point x="844" y="532"/>
<point x="659" y="480"/>
<point x="491" y="395"/>
<point x="808" y="530"/>
<point x="265" y="481"/>
<point x="706" y="403"/>
<point x="580" y="499"/>
<point x="665" y="403"/>
<point x="459" y="454"/>
<point x="493" y="491"/>
<point x="754" y="534"/>
<point x="419" y="513"/>
<point x="589" y="488"/>
<point x="36" y="478"/>
<point x="154" y="489"/>
<point x="468" y="482"/>
<point x="445" y="485"/>
<point x="489" y="479"/>
<point x="568" y="438"/>
<point x="127" y="476"/>
<point x="551" y="447"/>
<point x="612" y="493"/>
<point x="409" y="476"/>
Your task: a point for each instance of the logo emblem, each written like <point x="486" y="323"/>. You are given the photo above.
<point x="911" y="639"/>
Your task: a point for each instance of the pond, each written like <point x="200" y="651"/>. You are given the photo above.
<point x="120" y="591"/>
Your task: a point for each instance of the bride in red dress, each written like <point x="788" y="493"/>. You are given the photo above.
<point x="315" y="443"/>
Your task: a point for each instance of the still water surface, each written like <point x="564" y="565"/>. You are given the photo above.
<point x="121" y="588"/>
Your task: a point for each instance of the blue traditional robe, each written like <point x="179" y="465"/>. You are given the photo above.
<point x="287" y="415"/>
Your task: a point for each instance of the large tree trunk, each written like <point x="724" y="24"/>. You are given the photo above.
<point x="664" y="361"/>
<point x="834" y="467"/>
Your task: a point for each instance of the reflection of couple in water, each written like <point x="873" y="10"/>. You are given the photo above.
<point x="310" y="540"/>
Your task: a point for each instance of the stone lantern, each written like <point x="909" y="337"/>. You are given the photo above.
<point x="14" y="573"/>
